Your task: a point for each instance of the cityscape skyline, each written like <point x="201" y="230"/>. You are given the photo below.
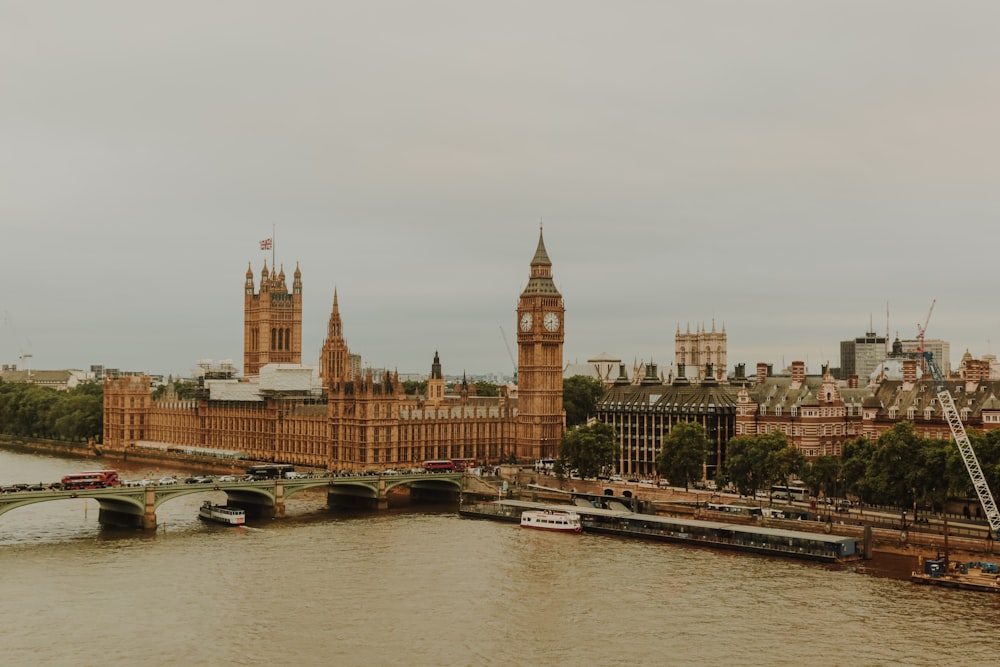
<point x="798" y="177"/>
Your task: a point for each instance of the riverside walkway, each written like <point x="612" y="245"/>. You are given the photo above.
<point x="136" y="505"/>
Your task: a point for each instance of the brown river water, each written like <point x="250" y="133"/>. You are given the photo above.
<point x="421" y="586"/>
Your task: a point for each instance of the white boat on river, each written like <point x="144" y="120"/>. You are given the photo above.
<point x="231" y="516"/>
<point x="565" y="522"/>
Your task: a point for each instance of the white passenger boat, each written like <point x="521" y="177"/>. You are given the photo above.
<point x="564" y="522"/>
<point x="231" y="516"/>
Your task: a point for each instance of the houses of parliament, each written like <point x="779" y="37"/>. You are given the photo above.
<point x="339" y="417"/>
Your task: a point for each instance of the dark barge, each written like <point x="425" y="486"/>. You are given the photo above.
<point x="975" y="576"/>
<point x="739" y="537"/>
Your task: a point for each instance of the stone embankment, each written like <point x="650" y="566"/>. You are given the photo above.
<point x="693" y="504"/>
<point x="90" y="450"/>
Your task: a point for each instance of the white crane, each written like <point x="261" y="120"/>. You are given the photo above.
<point x="958" y="432"/>
<point x="509" y="353"/>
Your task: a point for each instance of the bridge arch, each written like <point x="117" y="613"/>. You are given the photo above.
<point x="137" y="505"/>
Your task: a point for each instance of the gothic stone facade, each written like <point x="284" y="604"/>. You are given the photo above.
<point x="352" y="420"/>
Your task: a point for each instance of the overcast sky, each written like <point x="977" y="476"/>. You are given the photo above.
<point x="789" y="169"/>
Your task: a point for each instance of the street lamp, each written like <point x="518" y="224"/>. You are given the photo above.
<point x="904" y="519"/>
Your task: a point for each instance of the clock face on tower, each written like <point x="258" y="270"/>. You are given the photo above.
<point x="526" y="322"/>
<point x="551" y="321"/>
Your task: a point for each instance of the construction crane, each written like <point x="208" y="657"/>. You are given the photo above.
<point x="958" y="432"/>
<point x="509" y="353"/>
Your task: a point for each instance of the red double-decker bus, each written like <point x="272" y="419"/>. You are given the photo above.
<point x="461" y="465"/>
<point x="93" y="479"/>
<point x="439" y="466"/>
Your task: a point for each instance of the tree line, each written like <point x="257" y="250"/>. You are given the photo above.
<point x="33" y="411"/>
<point x="900" y="469"/>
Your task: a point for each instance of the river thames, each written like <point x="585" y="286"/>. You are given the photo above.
<point x="421" y="586"/>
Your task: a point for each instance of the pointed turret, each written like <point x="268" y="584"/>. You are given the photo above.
<point x="333" y="329"/>
<point x="334" y="360"/>
<point x="436" y="367"/>
<point x="540" y="279"/>
<point x="435" y="383"/>
<point x="265" y="279"/>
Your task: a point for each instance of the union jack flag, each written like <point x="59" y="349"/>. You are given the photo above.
<point x="265" y="244"/>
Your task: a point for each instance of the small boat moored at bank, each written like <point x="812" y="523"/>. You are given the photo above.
<point x="231" y="516"/>
<point x="564" y="522"/>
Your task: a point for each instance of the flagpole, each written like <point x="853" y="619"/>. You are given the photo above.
<point x="272" y="246"/>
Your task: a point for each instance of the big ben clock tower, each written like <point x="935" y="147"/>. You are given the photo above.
<point x="540" y="335"/>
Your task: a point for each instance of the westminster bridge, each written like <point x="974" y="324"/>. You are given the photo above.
<point x="136" y="505"/>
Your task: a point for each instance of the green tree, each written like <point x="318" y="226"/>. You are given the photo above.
<point x="785" y="463"/>
<point x="415" y="387"/>
<point x="589" y="449"/>
<point x="929" y="476"/>
<point x="43" y="412"/>
<point x="182" y="389"/>
<point x="750" y="461"/>
<point x="682" y="457"/>
<point x="77" y="416"/>
<point x="891" y="469"/>
<point x="822" y="474"/>
<point x="987" y="448"/>
<point x="855" y="461"/>
<point x="484" y="388"/>
<point x="580" y="394"/>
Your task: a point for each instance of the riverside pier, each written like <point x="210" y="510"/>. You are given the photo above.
<point x="739" y="537"/>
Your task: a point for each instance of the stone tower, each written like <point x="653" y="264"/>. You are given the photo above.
<point x="435" y="383"/>
<point x="272" y="321"/>
<point x="335" y="357"/>
<point x="540" y="335"/>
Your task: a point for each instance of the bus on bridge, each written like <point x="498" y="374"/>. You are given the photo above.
<point x="93" y="479"/>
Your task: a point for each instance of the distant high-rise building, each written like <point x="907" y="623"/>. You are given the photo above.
<point x="861" y="356"/>
<point x="941" y="350"/>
